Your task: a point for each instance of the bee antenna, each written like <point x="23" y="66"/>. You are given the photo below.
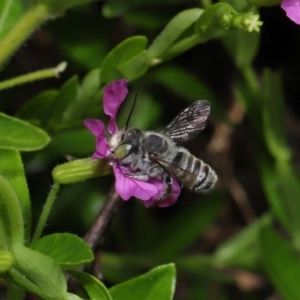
<point x="131" y="110"/>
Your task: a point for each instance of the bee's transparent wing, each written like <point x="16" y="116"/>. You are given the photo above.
<point x="173" y="169"/>
<point x="189" y="123"/>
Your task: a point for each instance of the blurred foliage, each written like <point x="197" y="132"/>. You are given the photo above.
<point x="242" y="240"/>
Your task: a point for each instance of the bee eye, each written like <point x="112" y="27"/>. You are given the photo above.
<point x="122" y="151"/>
<point x="122" y="137"/>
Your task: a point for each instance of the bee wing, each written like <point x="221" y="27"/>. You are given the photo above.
<point x="189" y="123"/>
<point x="173" y="169"/>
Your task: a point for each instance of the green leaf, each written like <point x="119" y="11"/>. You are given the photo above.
<point x="73" y="142"/>
<point x="242" y="46"/>
<point x="135" y="67"/>
<point x="172" y="31"/>
<point x="58" y="7"/>
<point x="242" y="250"/>
<point x="159" y="283"/>
<point x="289" y="190"/>
<point x="66" y="249"/>
<point x="11" y="12"/>
<point x="67" y="96"/>
<point x="175" y="79"/>
<point x="190" y="225"/>
<point x="38" y="108"/>
<point x="11" y="167"/>
<point x="70" y="296"/>
<point x="89" y="87"/>
<point x="282" y="187"/>
<point x="269" y="179"/>
<point x="118" y="56"/>
<point x="94" y="288"/>
<point x="281" y="264"/>
<point x="11" y="218"/>
<point x="16" y="134"/>
<point x="274" y="128"/>
<point x="238" y="4"/>
<point x="117" y="8"/>
<point x="42" y="271"/>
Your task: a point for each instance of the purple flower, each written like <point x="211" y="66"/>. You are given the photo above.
<point x="148" y="191"/>
<point x="292" y="9"/>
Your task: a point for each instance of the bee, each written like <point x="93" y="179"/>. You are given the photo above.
<point x="154" y="154"/>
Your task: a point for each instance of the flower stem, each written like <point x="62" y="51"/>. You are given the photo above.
<point x="35" y="16"/>
<point x="45" y="213"/>
<point x="38" y="75"/>
<point x="12" y="205"/>
<point x="105" y="216"/>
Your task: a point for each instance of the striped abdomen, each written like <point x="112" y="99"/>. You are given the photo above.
<point x="193" y="172"/>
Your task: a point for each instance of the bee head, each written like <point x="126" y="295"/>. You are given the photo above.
<point x="124" y="142"/>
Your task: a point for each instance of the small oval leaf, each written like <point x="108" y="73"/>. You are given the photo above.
<point x="66" y="249"/>
<point x="118" y="56"/>
<point x="16" y="134"/>
<point x="42" y="271"/>
<point x="159" y="283"/>
<point x="95" y="288"/>
<point x="281" y="263"/>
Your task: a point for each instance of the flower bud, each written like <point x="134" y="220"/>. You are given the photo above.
<point x="6" y="261"/>
<point x="80" y="170"/>
<point x="219" y="18"/>
<point x="248" y="22"/>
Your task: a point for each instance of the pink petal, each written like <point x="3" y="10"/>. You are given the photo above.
<point x="96" y="127"/>
<point x="292" y="9"/>
<point x="114" y="95"/>
<point x="165" y="202"/>
<point x="128" y="187"/>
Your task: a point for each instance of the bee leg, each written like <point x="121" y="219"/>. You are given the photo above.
<point x="168" y="180"/>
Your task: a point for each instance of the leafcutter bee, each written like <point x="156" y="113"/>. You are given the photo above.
<point x="156" y="154"/>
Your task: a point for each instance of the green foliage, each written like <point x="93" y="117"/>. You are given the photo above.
<point x="41" y="271"/>
<point x="94" y="288"/>
<point x="66" y="249"/>
<point x="172" y="32"/>
<point x="129" y="54"/>
<point x="159" y="283"/>
<point x="16" y="134"/>
<point x="201" y="235"/>
<point x="274" y="251"/>
<point x="10" y="14"/>
<point x="12" y="169"/>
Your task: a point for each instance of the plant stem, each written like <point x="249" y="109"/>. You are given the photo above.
<point x="14" y="211"/>
<point x="38" y="75"/>
<point x="250" y="78"/>
<point x="183" y="45"/>
<point x="106" y="214"/>
<point x="37" y="15"/>
<point x="45" y="213"/>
